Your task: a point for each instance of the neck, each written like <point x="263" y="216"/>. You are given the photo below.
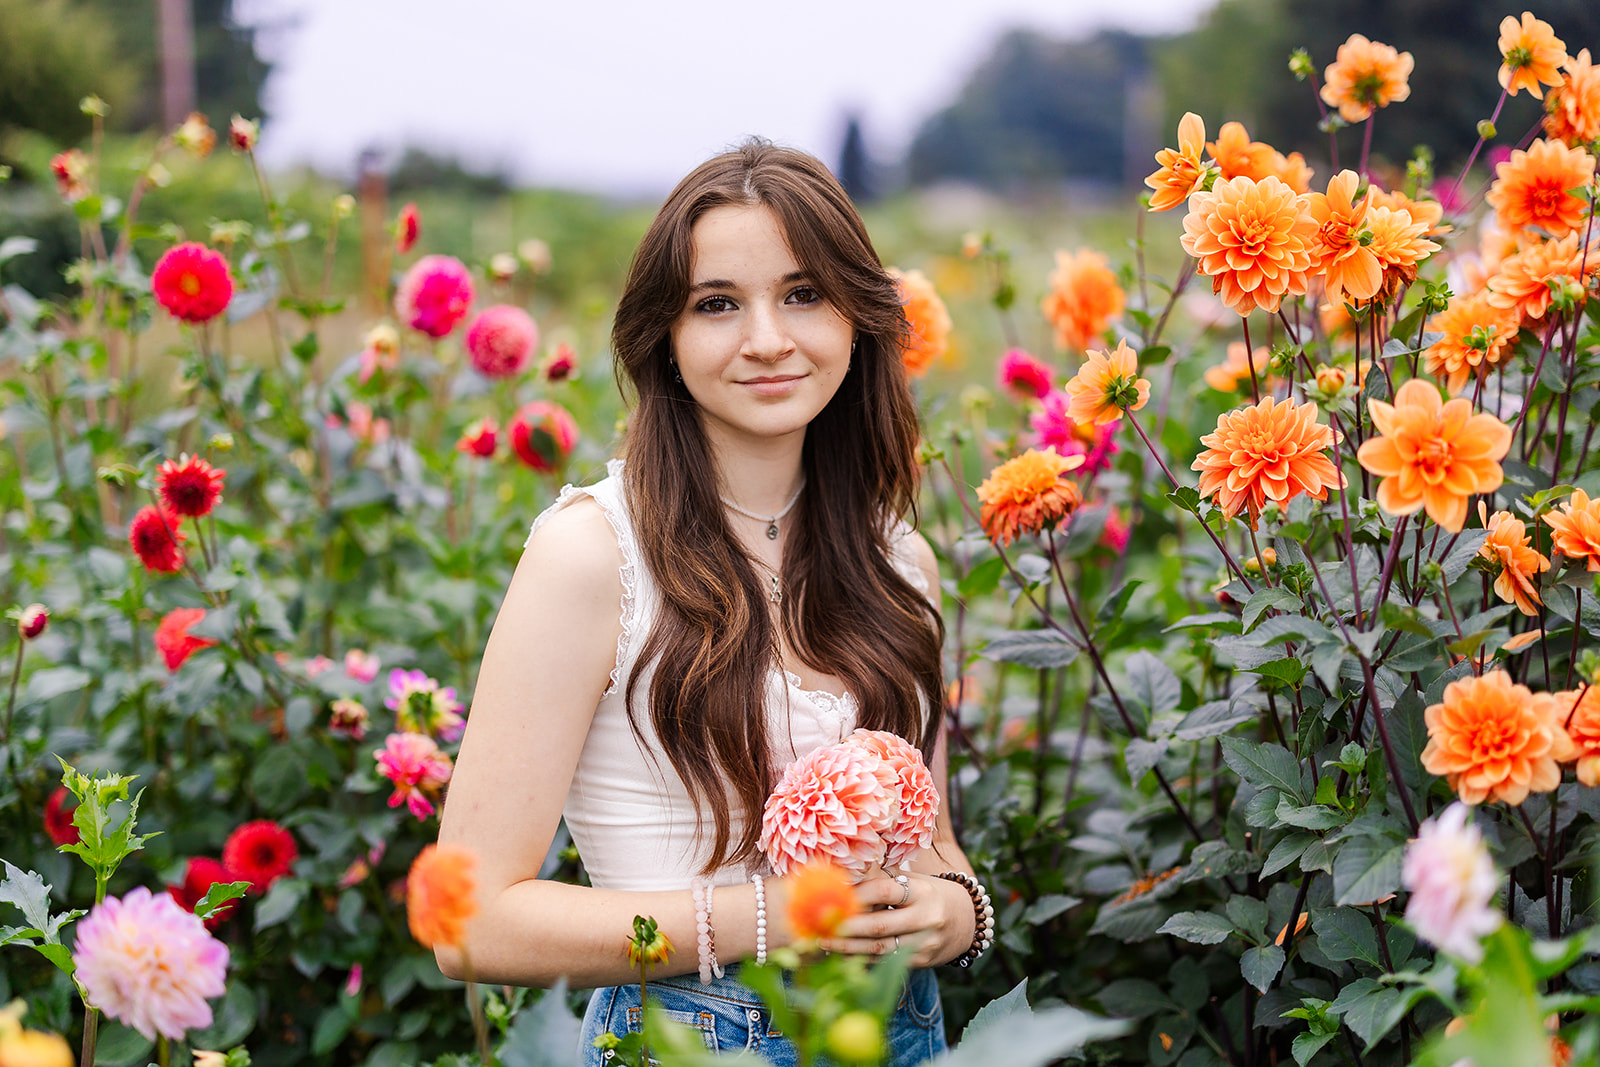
<point x="760" y="479"/>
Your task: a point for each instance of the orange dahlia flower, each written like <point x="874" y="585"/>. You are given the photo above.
<point x="1336" y="321"/>
<point x="1339" y="251"/>
<point x="1179" y="171"/>
<point x="1292" y="170"/>
<point x="1476" y="336"/>
<point x="1268" y="451"/>
<point x="1572" y="113"/>
<point x="929" y="338"/>
<point x="1495" y="740"/>
<point x="1433" y="455"/>
<point x="1106" y="385"/>
<point x="1509" y="548"/>
<point x="1579" y="709"/>
<point x="1028" y="493"/>
<point x="1084" y="297"/>
<point x="1524" y="283"/>
<point x="1399" y="244"/>
<point x="1577" y="529"/>
<point x="1253" y="239"/>
<point x="1364" y="76"/>
<point x="1426" y="211"/>
<point x="1237" y="156"/>
<point x="1532" y="188"/>
<point x="820" y="898"/>
<point x="1226" y="376"/>
<point x="441" y="894"/>
<point x="1531" y="53"/>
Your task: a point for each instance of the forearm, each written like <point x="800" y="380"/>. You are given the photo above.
<point x="536" y="931"/>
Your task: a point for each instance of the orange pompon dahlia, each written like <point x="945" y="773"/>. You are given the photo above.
<point x="1476" y="336"/>
<point x="1579" y="709"/>
<point x="1495" y="740"/>
<point x="1531" y="53"/>
<point x="1106" y="385"/>
<point x="1084" y="297"/>
<point x="929" y="339"/>
<point x="1253" y="239"/>
<point x="1572" y="113"/>
<point x="1399" y="244"/>
<point x="1027" y="494"/>
<point x="1509" y="548"/>
<point x="1576" y="529"/>
<point x="1182" y="170"/>
<point x="1532" y="188"/>
<point x="1339" y="251"/>
<point x="820" y="897"/>
<point x="1524" y="283"/>
<point x="1237" y="156"/>
<point x="1364" y="76"/>
<point x="1272" y="450"/>
<point x="1227" y="376"/>
<point x="441" y="894"/>
<point x="1433" y="454"/>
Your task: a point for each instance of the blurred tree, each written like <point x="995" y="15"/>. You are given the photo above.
<point x="1036" y="108"/>
<point x="420" y="168"/>
<point x="53" y="53"/>
<point x="854" y="167"/>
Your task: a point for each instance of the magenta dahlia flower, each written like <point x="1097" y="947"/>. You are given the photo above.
<point x="434" y="295"/>
<point x="501" y="341"/>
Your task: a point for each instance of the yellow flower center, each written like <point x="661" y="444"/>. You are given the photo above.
<point x="190" y="284"/>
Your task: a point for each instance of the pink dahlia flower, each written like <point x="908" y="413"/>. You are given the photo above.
<point x="479" y="439"/>
<point x="1452" y="882"/>
<point x="916" y="796"/>
<point x="149" y="964"/>
<point x="501" y="341"/>
<point x="362" y="666"/>
<point x="435" y="295"/>
<point x="542" y="435"/>
<point x="1025" y="375"/>
<point x="1053" y="428"/>
<point x="417" y="768"/>
<point x="192" y="282"/>
<point x="832" y="806"/>
<point x="420" y="706"/>
<point x="563" y="361"/>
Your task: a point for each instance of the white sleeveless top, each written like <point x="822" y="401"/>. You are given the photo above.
<point x="629" y="813"/>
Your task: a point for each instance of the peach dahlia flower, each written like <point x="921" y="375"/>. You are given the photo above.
<point x="1579" y="709"/>
<point x="1476" y="336"/>
<point x="832" y="805"/>
<point x="1509" y="548"/>
<point x="1084" y="297"/>
<point x="1364" y="76"/>
<point x="1267" y="451"/>
<point x="1235" y="368"/>
<point x="1531" y="189"/>
<point x="1106" y="385"/>
<point x="1495" y="740"/>
<point x="1523" y="282"/>
<point x="1028" y="493"/>
<point x="916" y="795"/>
<point x="1399" y="244"/>
<point x="1254" y="241"/>
<point x="1433" y="455"/>
<point x="1575" y="529"/>
<point x="1237" y="156"/>
<point x="929" y="339"/>
<point x="1572" y="113"/>
<point x="1179" y="171"/>
<point x="1340" y="251"/>
<point x="1531" y="53"/>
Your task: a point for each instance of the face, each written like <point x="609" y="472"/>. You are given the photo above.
<point x="758" y="347"/>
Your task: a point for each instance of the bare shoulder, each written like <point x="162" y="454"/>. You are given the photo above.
<point x="574" y="553"/>
<point x="927" y="562"/>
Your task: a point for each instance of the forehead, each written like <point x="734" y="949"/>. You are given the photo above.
<point x="739" y="243"/>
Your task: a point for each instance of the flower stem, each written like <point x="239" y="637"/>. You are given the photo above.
<point x="1472" y="157"/>
<point x="11" y="700"/>
<point x="1226" y="556"/>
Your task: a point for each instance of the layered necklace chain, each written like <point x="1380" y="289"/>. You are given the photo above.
<point x="775" y="595"/>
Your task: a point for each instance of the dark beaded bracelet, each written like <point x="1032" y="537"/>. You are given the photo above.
<point x="982" y="915"/>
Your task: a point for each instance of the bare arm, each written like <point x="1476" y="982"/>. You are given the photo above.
<point x="546" y="666"/>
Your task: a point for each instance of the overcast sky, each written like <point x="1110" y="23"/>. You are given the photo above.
<point x="625" y="96"/>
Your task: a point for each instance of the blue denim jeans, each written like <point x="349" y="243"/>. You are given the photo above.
<point x="729" y="1016"/>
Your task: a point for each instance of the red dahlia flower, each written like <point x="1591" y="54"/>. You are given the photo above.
<point x="199" y="876"/>
<point x="407" y="228"/>
<point x="157" y="539"/>
<point x="260" y="853"/>
<point x="173" y="639"/>
<point x="190" y="486"/>
<point x="542" y="435"/>
<point x="192" y="282"/>
<point x="58" y="818"/>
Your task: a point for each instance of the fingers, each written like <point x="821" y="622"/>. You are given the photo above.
<point x="883" y="890"/>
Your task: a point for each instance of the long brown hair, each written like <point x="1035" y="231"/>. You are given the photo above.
<point x="848" y="612"/>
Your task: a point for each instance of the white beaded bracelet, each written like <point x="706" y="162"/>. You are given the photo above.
<point x="761" y="918"/>
<point x="705" y="934"/>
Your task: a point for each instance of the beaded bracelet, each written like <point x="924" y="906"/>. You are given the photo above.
<point x="761" y="918"/>
<point x="982" y="916"/>
<point x="705" y="935"/>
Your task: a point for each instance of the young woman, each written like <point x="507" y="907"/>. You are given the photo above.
<point x="772" y="599"/>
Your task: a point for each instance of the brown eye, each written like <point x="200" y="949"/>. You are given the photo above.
<point x="715" y="305"/>
<point x="805" y="295"/>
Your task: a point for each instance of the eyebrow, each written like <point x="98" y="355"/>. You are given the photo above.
<point x="723" y="283"/>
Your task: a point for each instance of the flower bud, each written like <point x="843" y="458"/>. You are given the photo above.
<point x="158" y="175"/>
<point x="230" y="232"/>
<point x="972" y="246"/>
<point x="502" y="266"/>
<point x="536" y="254"/>
<point x="243" y="134"/>
<point x="344" y="205"/>
<point x="33" y="620"/>
<point x="856" y="1037"/>
<point x="195" y="135"/>
<point x="563" y="361"/>
<point x="221" y="442"/>
<point x="206" y="1058"/>
<point x="93" y="106"/>
<point x="1331" y="379"/>
<point x="1300" y="64"/>
<point x="1486" y="129"/>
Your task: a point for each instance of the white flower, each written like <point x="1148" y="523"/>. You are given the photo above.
<point x="1452" y="882"/>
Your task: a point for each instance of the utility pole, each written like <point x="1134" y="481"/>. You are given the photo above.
<point x="175" y="31"/>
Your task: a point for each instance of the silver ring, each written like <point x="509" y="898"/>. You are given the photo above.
<point x="897" y="942"/>
<point x="905" y="890"/>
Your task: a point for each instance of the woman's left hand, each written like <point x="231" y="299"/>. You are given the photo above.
<point x="920" y="913"/>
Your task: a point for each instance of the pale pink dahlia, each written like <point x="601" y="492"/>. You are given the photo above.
<point x="149" y="964"/>
<point x="1452" y="882"/>
<point x="832" y="806"/>
<point x="417" y="768"/>
<point x="916" y="795"/>
<point x="501" y="341"/>
<point x="435" y="295"/>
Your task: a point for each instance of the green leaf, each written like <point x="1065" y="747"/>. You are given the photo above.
<point x="1029" y="1041"/>
<point x="1141" y="755"/>
<point x="29" y="893"/>
<point x="1310" y="817"/>
<point x="218" y="896"/>
<point x="1213" y="718"/>
<point x="1000" y="1010"/>
<point x="232" y="1019"/>
<point x="1152" y="683"/>
<point x="982" y="579"/>
<point x="1366" y="868"/>
<point x="1199" y="927"/>
<point x="1113" y="606"/>
<point x="545" y="1034"/>
<point x="1369" y="1009"/>
<point x="1032" y="648"/>
<point x="1211" y="620"/>
<point x="1285" y="852"/>
<point x="1134" y="998"/>
<point x="1288" y="671"/>
<point x="1265" y="766"/>
<point x="1260" y="965"/>
<point x="1248" y="915"/>
<point x="1264" y="600"/>
<point x="1307" y="1045"/>
<point x="121" y="1046"/>
<point x="52" y="682"/>
<point x="1346" y="934"/>
<point x="1048" y="907"/>
<point x="280" y="902"/>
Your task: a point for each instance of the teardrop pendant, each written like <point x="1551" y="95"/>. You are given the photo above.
<point x="772" y="530"/>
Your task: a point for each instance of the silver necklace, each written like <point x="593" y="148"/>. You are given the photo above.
<point x="772" y="523"/>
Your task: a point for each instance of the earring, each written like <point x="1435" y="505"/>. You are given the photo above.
<point x="677" y="375"/>
<point x="855" y="343"/>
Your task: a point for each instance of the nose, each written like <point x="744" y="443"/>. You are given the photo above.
<point x="766" y="338"/>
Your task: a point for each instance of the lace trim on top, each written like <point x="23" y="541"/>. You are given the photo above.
<point x="625" y="544"/>
<point x="836" y="709"/>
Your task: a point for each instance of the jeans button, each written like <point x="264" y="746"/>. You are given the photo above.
<point x="755" y="1016"/>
